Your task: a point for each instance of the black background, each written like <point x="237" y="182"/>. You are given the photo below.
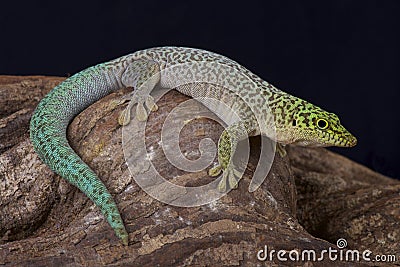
<point x="341" y="55"/>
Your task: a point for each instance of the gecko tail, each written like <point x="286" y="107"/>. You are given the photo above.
<point x="51" y="144"/>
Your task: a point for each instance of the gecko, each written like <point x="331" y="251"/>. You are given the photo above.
<point x="296" y="121"/>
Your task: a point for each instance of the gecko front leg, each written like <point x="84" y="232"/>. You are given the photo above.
<point x="143" y="75"/>
<point x="227" y="144"/>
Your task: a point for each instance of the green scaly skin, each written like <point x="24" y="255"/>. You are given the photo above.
<point x="296" y="121"/>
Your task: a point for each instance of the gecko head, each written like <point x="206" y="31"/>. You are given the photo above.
<point x="312" y="126"/>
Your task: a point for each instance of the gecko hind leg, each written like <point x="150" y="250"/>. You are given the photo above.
<point x="142" y="105"/>
<point x="143" y="76"/>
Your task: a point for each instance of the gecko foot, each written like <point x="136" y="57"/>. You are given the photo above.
<point x="141" y="102"/>
<point x="230" y="177"/>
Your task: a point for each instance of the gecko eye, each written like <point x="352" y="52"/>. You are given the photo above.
<point x="322" y="124"/>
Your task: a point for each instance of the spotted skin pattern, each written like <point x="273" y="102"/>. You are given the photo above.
<point x="296" y="121"/>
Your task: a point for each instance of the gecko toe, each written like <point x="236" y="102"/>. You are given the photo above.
<point x="215" y="171"/>
<point x="150" y="104"/>
<point x="281" y="150"/>
<point x="141" y="113"/>
<point x="124" y="117"/>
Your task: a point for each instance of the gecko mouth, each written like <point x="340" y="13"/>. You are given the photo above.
<point x="327" y="140"/>
<point x="342" y="141"/>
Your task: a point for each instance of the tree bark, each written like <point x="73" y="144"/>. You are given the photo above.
<point x="310" y="198"/>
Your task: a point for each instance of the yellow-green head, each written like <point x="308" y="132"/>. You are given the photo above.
<point x="305" y="124"/>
